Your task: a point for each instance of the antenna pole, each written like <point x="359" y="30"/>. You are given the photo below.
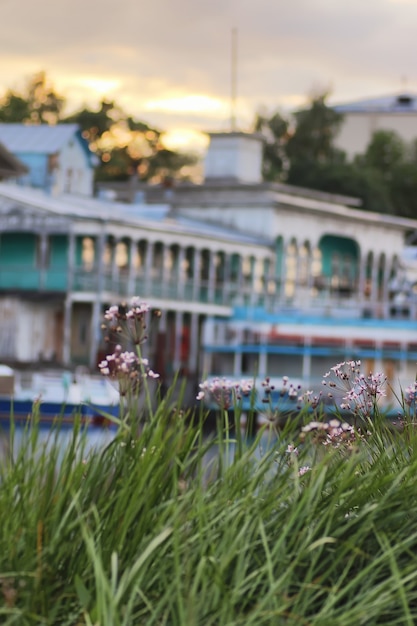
<point x="233" y="81"/>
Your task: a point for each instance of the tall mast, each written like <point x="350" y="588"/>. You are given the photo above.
<point x="233" y="83"/>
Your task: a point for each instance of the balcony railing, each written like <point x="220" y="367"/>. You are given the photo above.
<point x="33" y="279"/>
<point x="324" y="303"/>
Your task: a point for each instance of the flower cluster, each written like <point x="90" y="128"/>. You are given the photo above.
<point x="223" y="392"/>
<point x="410" y="394"/>
<point x="311" y="399"/>
<point x="127" y="368"/>
<point x="333" y="433"/>
<point x="129" y="319"/>
<point x="287" y="389"/>
<point x="361" y="392"/>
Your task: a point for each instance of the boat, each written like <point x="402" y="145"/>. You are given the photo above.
<point x="53" y="397"/>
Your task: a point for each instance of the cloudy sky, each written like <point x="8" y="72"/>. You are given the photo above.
<point x="168" y="62"/>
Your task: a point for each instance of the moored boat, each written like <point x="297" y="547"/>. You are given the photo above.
<point x="57" y="397"/>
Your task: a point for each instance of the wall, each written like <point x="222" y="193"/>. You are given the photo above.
<point x="27" y="332"/>
<point x="38" y="170"/>
<point x="358" y="128"/>
<point x="74" y="174"/>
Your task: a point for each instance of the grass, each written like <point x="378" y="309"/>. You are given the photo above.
<point x="146" y="531"/>
<point x="313" y="524"/>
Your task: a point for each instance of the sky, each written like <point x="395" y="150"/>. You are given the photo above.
<point x="168" y="62"/>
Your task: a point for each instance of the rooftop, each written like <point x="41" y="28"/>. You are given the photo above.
<point x="36" y="139"/>
<point x="155" y="216"/>
<point x="404" y="102"/>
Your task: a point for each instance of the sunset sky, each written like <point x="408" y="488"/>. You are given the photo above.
<point x="168" y="62"/>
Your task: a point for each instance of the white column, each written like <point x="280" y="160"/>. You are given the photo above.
<point x="263" y="365"/>
<point x="180" y="273"/>
<point x="283" y="277"/>
<point x="66" y="347"/>
<point x="149" y="255"/>
<point x="165" y="272"/>
<point x="225" y="288"/>
<point x="43" y="258"/>
<point x="131" y="272"/>
<point x="374" y="283"/>
<point x="96" y="306"/>
<point x="306" y="366"/>
<point x="95" y="332"/>
<point x="70" y="262"/>
<point x="385" y="289"/>
<point x="194" y="344"/>
<point x="196" y="274"/>
<point x="362" y="277"/>
<point x="114" y="267"/>
<point x="237" y="360"/>
<point x="179" y="321"/>
<point x="211" y="275"/>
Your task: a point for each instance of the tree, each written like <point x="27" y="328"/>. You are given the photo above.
<point x="275" y="132"/>
<point x="14" y="108"/>
<point x="93" y="123"/>
<point x="124" y="145"/>
<point x="385" y="151"/>
<point x="38" y="103"/>
<point x="291" y="152"/>
<point x="315" y="130"/>
<point x="127" y="147"/>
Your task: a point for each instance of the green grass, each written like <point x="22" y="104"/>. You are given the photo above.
<point x="144" y="531"/>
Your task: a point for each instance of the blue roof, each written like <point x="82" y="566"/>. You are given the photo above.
<point x="36" y="139"/>
<point x="394" y="103"/>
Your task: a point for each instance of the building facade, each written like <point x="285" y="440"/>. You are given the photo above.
<point x="249" y="278"/>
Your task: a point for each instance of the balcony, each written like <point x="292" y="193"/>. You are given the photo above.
<point x="27" y="278"/>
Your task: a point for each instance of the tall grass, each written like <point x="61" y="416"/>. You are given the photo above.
<point x="167" y="526"/>
<point x="147" y="530"/>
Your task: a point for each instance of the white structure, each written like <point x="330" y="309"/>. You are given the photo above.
<point x="235" y="157"/>
<point x="57" y="157"/>
<point x="362" y="118"/>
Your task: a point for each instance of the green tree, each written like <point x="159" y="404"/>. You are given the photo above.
<point x="348" y="179"/>
<point x="38" y="103"/>
<point x="312" y="140"/>
<point x="385" y="151"/>
<point x="14" y="108"/>
<point x="275" y="132"/>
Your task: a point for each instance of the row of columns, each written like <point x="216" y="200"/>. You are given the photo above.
<point x="370" y="278"/>
<point x="211" y="270"/>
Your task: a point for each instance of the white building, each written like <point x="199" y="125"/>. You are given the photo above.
<point x="57" y="157"/>
<point x="249" y="276"/>
<point x="362" y="118"/>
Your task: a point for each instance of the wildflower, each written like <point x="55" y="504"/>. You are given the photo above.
<point x="410" y="394"/>
<point x="125" y="367"/>
<point x="129" y="319"/>
<point x="291" y="449"/>
<point x="361" y="392"/>
<point x="224" y="392"/>
<point x="303" y="470"/>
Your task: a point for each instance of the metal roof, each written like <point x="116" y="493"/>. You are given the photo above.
<point x="394" y="103"/>
<point x="36" y="139"/>
<point x="157" y="217"/>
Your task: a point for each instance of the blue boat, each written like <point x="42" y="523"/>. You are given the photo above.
<point x="57" y="398"/>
